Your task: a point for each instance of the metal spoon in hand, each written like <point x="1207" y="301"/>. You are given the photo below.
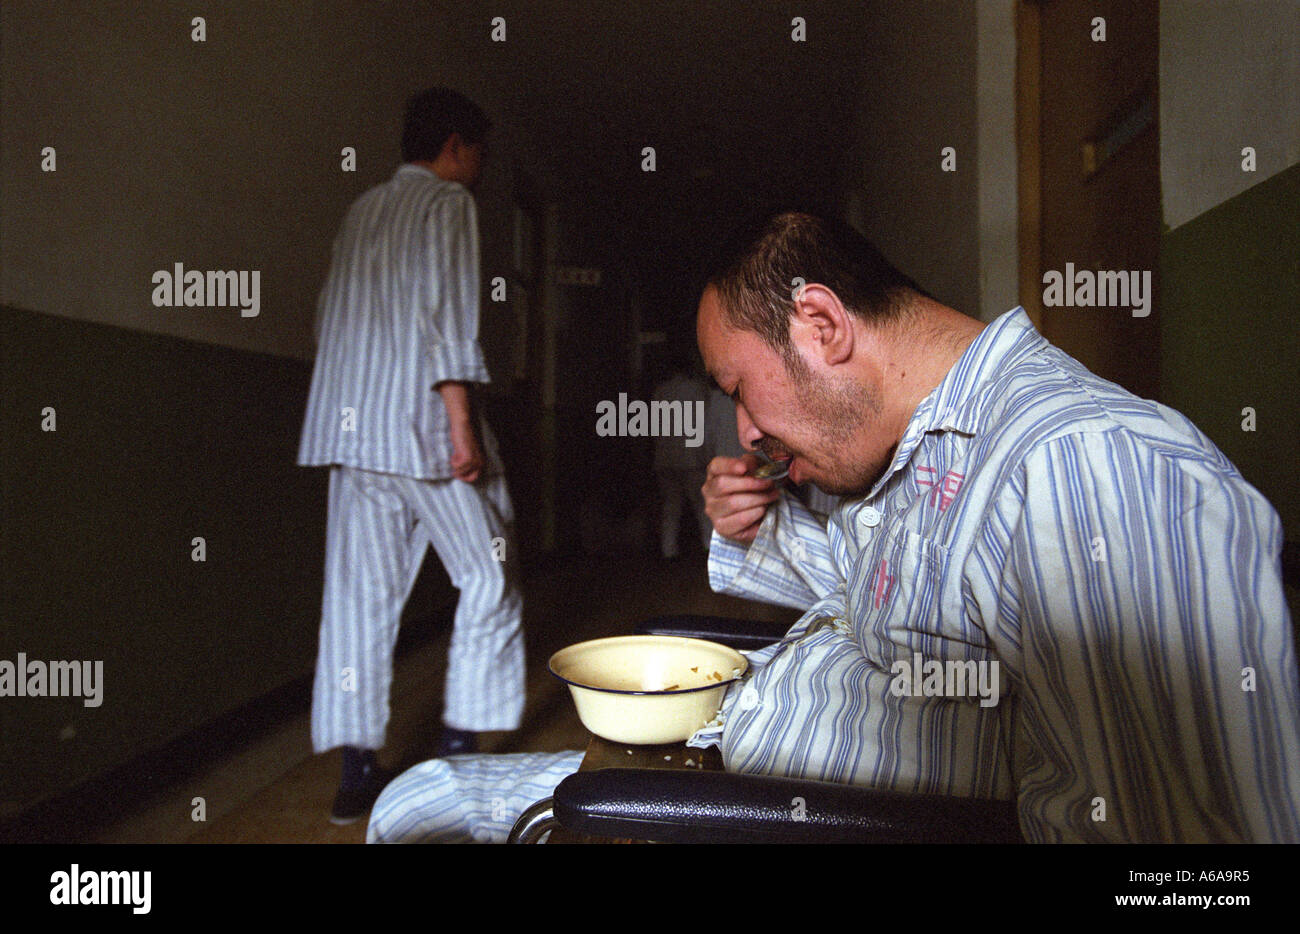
<point x="770" y="469"/>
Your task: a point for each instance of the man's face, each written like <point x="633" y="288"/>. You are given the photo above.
<point x="829" y="422"/>
<point x="469" y="159"/>
<point x="476" y="157"/>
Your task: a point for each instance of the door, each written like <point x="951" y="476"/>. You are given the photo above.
<point x="1088" y="140"/>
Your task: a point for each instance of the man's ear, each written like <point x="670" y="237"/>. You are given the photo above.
<point x="822" y="327"/>
<point x="453" y="143"/>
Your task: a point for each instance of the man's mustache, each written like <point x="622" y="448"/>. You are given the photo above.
<point x="773" y="449"/>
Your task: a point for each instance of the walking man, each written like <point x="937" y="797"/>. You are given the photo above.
<point x="391" y="413"/>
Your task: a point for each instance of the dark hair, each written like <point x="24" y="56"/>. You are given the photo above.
<point x="755" y="269"/>
<point x="433" y="115"/>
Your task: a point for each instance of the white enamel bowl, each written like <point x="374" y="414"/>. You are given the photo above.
<point x="644" y="690"/>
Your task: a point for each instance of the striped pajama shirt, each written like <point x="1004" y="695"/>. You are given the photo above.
<point x="399" y="314"/>
<point x="1097" y="547"/>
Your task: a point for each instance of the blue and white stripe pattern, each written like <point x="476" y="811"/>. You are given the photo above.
<point x="1101" y="550"/>
<point x="790" y="563"/>
<point x="399" y="313"/>
<point x="379" y="528"/>
<point x="466" y="799"/>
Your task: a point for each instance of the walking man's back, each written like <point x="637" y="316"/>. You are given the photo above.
<point x="412" y="464"/>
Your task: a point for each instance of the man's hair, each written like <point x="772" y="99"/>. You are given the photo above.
<point x="433" y="115"/>
<point x="755" y="273"/>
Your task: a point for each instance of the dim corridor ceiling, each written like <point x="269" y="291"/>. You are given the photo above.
<point x="732" y="106"/>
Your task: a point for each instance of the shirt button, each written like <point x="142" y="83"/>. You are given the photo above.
<point x="748" y="698"/>
<point x="869" y="517"/>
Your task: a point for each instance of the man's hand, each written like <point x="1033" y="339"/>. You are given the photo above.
<point x="466" y="450"/>
<point x="736" y="503"/>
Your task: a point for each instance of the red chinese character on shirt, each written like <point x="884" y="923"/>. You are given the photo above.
<point x="883" y="584"/>
<point x="943" y="492"/>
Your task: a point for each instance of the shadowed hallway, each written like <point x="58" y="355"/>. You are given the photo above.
<point x="271" y="789"/>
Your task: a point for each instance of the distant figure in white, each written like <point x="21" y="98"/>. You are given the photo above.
<point x="680" y="469"/>
<point x="721" y="439"/>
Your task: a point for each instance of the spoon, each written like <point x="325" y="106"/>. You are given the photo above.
<point x="770" y="469"/>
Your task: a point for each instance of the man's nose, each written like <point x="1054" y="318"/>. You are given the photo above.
<point x="746" y="430"/>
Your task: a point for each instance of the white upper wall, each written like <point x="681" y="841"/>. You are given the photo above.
<point x="936" y="75"/>
<point x="1229" y="78"/>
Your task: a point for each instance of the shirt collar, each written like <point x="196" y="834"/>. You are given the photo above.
<point x="957" y="403"/>
<point x="412" y="169"/>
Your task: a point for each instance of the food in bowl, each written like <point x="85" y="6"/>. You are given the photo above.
<point x="645" y="690"/>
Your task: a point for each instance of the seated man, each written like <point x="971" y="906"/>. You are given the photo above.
<point x="1036" y="586"/>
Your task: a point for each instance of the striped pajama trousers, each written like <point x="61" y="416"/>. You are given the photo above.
<point x="466" y="799"/>
<point x="379" y="527"/>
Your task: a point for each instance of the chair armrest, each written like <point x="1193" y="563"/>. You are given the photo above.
<point x="674" y="806"/>
<point x="747" y="634"/>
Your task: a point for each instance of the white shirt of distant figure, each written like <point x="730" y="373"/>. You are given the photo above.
<point x="679" y="468"/>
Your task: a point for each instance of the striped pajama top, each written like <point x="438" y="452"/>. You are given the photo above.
<point x="1101" y="550"/>
<point x="399" y="313"/>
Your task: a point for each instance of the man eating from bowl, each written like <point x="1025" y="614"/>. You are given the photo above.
<point x="1101" y="580"/>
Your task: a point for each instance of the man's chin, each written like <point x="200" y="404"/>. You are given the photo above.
<point x="835" y="486"/>
<point x="844" y="492"/>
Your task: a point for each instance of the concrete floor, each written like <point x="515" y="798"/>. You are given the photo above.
<point x="273" y="790"/>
